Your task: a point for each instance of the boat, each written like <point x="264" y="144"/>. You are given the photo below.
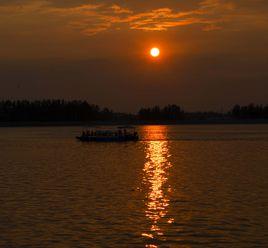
<point x="119" y="134"/>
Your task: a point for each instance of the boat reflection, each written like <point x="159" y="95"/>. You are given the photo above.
<point x="155" y="180"/>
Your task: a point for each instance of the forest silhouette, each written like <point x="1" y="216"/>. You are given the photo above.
<point x="82" y="111"/>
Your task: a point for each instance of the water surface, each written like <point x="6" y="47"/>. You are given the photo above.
<point x="181" y="186"/>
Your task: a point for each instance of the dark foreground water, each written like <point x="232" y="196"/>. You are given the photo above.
<point x="182" y="186"/>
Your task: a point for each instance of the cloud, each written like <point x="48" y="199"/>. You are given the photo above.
<point x="165" y="18"/>
<point x="119" y="10"/>
<point x="91" y="19"/>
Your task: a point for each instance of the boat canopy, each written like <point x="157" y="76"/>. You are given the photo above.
<point x="109" y="128"/>
<point x="126" y="127"/>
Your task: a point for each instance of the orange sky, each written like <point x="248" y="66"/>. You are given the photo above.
<point x="210" y="49"/>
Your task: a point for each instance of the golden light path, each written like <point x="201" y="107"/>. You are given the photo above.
<point x="155" y="179"/>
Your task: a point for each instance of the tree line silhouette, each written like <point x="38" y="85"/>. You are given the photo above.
<point x="169" y="112"/>
<point x="250" y="111"/>
<point x="73" y="111"/>
<point x="52" y="110"/>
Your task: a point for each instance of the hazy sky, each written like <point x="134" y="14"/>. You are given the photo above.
<point x="214" y="53"/>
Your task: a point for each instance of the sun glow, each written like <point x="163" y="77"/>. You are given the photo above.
<point x="155" y="52"/>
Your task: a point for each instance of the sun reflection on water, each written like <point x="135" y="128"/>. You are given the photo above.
<point x="155" y="179"/>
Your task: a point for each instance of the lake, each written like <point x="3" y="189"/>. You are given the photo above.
<point x="180" y="186"/>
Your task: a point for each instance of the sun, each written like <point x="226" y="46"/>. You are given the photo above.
<point x="155" y="52"/>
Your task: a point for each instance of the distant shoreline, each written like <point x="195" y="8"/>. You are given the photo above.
<point x="108" y="123"/>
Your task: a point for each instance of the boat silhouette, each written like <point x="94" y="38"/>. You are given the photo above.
<point x="119" y="134"/>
